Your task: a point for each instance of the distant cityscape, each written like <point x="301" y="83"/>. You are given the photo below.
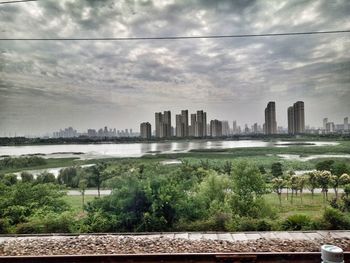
<point x="196" y="125"/>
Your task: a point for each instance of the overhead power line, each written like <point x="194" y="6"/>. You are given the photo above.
<point x="177" y="37"/>
<point x="17" y="1"/>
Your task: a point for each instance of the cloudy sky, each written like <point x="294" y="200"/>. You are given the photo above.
<point x="47" y="85"/>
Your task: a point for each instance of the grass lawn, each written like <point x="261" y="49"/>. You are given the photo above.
<point x="76" y="201"/>
<point x="312" y="207"/>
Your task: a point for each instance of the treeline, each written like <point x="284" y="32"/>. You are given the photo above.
<point x="21" y="162"/>
<point x="11" y="141"/>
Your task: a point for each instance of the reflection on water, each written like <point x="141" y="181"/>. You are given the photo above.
<point x="89" y="151"/>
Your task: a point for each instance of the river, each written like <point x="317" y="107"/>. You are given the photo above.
<point x="93" y="151"/>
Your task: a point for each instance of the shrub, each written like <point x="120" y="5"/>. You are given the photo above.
<point x="335" y="219"/>
<point x="296" y="222"/>
<point x="28" y="228"/>
<point x="4" y="225"/>
<point x="250" y="224"/>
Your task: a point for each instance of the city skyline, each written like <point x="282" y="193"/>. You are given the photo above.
<point x="46" y="85"/>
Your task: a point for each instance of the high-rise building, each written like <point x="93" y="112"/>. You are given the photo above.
<point x="146" y="130"/>
<point x="225" y="128"/>
<point x="184" y="119"/>
<point x="192" y="128"/>
<point x="158" y="122"/>
<point x="346" y="123"/>
<point x="234" y="127"/>
<point x="270" y="118"/>
<point x="167" y="124"/>
<point x="215" y="128"/>
<point x="296" y="118"/>
<point x="325" y="121"/>
<point x="291" y="120"/>
<point x="182" y="129"/>
<point x="179" y="131"/>
<point x="198" y="126"/>
<point x="330" y="127"/>
<point x="163" y="124"/>
<point x="255" y="128"/>
<point x="299" y="117"/>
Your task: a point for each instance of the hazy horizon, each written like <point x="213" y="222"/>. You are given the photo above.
<point x="48" y="85"/>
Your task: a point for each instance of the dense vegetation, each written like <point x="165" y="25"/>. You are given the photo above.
<point x="197" y="195"/>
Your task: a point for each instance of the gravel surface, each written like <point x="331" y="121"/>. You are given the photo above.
<point x="111" y="244"/>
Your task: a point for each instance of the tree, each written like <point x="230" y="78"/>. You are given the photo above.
<point x="301" y="184"/>
<point x="248" y="187"/>
<point x="98" y="175"/>
<point x="276" y="169"/>
<point x="324" y="165"/>
<point x="339" y="168"/>
<point x="82" y="188"/>
<point x="312" y="182"/>
<point x="277" y="185"/>
<point x="27" y="177"/>
<point x="323" y="179"/>
<point x="45" y="178"/>
<point x="294" y="186"/>
<point x="69" y="177"/>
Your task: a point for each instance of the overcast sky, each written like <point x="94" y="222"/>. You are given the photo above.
<point x="49" y="85"/>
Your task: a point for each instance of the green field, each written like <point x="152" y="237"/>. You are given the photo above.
<point x="75" y="201"/>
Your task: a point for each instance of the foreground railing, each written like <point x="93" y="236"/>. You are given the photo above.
<point x="305" y="257"/>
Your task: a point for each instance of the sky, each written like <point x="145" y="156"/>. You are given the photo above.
<point x="48" y="85"/>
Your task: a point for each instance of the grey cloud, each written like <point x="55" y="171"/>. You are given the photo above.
<point x="108" y="80"/>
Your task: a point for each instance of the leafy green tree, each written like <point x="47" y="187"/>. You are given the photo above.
<point x="294" y="186"/>
<point x="9" y="179"/>
<point x="98" y="175"/>
<point x="248" y="187"/>
<point x="45" y="178"/>
<point x="323" y="179"/>
<point x="27" y="177"/>
<point x="324" y="165"/>
<point x="339" y="168"/>
<point x="347" y="190"/>
<point x="82" y="188"/>
<point x="276" y="169"/>
<point x="277" y="185"/>
<point x="69" y="177"/>
<point x="312" y="182"/>
<point x="302" y="180"/>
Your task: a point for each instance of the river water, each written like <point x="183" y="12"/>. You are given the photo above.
<point x="92" y="151"/>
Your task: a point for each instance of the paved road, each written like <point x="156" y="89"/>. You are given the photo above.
<point x="233" y="237"/>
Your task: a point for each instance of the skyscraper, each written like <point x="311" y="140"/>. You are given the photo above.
<point x="270" y="118"/>
<point x="192" y="128"/>
<point x="346" y="123"/>
<point x="201" y="124"/>
<point x="299" y="117"/>
<point x="163" y="124"/>
<point x="325" y="121"/>
<point x="225" y="128"/>
<point x="215" y="128"/>
<point x="179" y="130"/>
<point x="158" y="122"/>
<point x="291" y="120"/>
<point x="167" y="124"/>
<point x="184" y="120"/>
<point x="182" y="124"/>
<point x="234" y="127"/>
<point x="296" y="118"/>
<point x="146" y="130"/>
